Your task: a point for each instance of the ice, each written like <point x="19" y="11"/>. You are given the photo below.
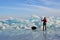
<point x="20" y="29"/>
<point x="53" y="22"/>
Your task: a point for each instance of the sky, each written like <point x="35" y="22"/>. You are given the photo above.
<point x="25" y="8"/>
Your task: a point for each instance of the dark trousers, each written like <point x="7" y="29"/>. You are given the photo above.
<point x="44" y="26"/>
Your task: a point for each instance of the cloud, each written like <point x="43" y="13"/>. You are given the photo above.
<point x="48" y="3"/>
<point x="51" y="2"/>
<point x="35" y="9"/>
<point x="44" y="1"/>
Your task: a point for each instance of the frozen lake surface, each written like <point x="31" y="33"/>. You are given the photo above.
<point x="29" y="35"/>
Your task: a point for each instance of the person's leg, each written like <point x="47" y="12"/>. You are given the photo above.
<point x="43" y="27"/>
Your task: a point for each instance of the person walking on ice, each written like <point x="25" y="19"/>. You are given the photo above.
<point x="44" y="23"/>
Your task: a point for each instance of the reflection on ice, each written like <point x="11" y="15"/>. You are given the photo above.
<point x="29" y="35"/>
<point x="45" y="35"/>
